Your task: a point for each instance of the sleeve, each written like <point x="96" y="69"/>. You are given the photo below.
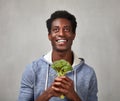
<point x="26" y="87"/>
<point x="93" y="89"/>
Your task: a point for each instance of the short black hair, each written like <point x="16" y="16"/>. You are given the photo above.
<point x="62" y="14"/>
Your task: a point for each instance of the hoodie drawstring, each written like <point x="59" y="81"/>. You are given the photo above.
<point x="74" y="75"/>
<point x="46" y="82"/>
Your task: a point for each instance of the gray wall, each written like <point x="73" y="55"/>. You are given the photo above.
<point x="23" y="38"/>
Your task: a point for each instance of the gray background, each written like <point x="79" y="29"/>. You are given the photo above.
<point x="23" y="38"/>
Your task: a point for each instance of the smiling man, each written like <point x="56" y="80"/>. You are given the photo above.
<point x="39" y="82"/>
<point x="61" y="37"/>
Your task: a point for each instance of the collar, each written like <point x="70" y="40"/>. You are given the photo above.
<point x="48" y="58"/>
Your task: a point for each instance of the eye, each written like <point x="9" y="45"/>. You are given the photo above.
<point x="55" y="30"/>
<point x="67" y="29"/>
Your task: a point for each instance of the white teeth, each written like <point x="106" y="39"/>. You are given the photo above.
<point x="61" y="41"/>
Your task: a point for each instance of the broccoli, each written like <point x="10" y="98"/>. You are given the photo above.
<point x="61" y="67"/>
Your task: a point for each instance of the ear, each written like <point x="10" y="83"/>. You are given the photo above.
<point x="49" y="36"/>
<point x="74" y="35"/>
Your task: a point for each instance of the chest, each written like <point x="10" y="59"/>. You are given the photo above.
<point x="45" y="77"/>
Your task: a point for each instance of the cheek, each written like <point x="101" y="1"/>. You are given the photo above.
<point x="51" y="37"/>
<point x="52" y="40"/>
<point x="71" y="37"/>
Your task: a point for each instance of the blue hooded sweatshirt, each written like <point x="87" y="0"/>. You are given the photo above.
<point x="39" y="75"/>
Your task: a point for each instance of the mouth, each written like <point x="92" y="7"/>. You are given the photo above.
<point x="61" y="41"/>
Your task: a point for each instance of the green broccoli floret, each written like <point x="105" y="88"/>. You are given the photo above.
<point x="61" y="67"/>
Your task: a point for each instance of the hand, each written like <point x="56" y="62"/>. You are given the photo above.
<point x="65" y="86"/>
<point x="46" y="95"/>
<point x="61" y="86"/>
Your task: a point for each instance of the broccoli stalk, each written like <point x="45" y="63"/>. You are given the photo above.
<point x="61" y="67"/>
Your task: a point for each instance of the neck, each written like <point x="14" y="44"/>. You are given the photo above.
<point x="67" y="55"/>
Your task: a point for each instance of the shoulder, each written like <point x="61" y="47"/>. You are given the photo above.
<point x="88" y="68"/>
<point x="89" y="72"/>
<point x="84" y="66"/>
<point x="85" y="69"/>
<point x="35" y="65"/>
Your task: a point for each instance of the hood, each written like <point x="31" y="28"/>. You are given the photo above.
<point x="76" y="61"/>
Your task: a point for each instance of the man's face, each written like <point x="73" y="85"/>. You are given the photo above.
<point x="61" y="35"/>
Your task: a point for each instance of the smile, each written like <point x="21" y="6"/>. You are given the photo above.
<point x="61" y="41"/>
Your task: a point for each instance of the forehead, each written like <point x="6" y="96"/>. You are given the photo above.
<point x="61" y="22"/>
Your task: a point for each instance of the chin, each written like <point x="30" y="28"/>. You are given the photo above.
<point x="61" y="50"/>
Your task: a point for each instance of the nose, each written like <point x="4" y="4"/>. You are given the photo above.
<point x="61" y="32"/>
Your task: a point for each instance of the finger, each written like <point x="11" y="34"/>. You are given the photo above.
<point x="66" y="80"/>
<point x="58" y="85"/>
<point x="62" y="79"/>
<point x="59" y="80"/>
<point x="55" y="91"/>
<point x="60" y="90"/>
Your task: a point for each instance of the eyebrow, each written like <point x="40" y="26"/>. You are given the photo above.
<point x="63" y="26"/>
